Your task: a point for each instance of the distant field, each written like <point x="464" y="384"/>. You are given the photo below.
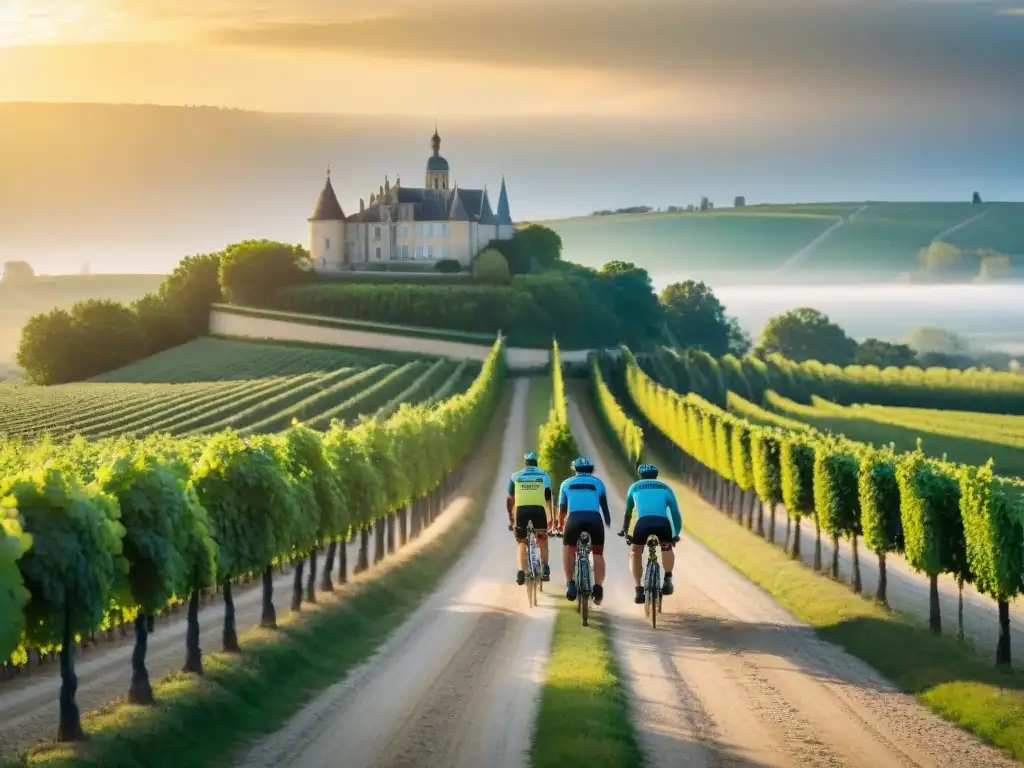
<point x="979" y="437"/>
<point x="880" y="243"/>
<point x="19" y="301"/>
<point x="211" y="384"/>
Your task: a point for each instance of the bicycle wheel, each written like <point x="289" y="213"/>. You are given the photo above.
<point x="655" y="600"/>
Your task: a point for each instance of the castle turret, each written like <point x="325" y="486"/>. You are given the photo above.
<point x="327" y="230"/>
<point x="437" y="166"/>
<point x="505" y="226"/>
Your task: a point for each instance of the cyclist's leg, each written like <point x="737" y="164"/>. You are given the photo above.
<point x="520" y="531"/>
<point x="540" y="529"/>
<point x="668" y="554"/>
<point x="570" y="536"/>
<point x="596" y="530"/>
<point x="638" y="532"/>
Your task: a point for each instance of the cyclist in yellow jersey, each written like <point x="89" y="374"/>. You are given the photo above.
<point x="529" y="500"/>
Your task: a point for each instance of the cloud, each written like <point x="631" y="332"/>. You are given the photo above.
<point x="868" y="44"/>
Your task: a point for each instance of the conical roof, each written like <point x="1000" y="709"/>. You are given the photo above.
<point x="504" y="215"/>
<point x="457" y="211"/>
<point x="327" y="207"/>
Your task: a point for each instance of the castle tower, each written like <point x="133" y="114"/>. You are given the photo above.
<point x="437" y="166"/>
<point x="327" y="230"/>
<point x="505" y="226"/>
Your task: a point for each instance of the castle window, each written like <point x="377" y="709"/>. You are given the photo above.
<point x="444" y="251"/>
<point x="428" y="229"/>
<point x="444" y="230"/>
<point x="419" y="251"/>
<point x="405" y="252"/>
<point x="378" y="252"/>
<point x="430" y="251"/>
<point x="376" y="234"/>
<point x="327" y="243"/>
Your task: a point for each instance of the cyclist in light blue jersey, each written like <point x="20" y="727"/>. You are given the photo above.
<point x="651" y="508"/>
<point x="583" y="500"/>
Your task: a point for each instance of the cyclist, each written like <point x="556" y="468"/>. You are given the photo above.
<point x="529" y="499"/>
<point x="583" y="500"/>
<point x="651" y="508"/>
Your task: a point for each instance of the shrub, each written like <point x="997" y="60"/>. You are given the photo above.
<point x="490" y="265"/>
<point x="448" y="266"/>
<point x="252" y="271"/>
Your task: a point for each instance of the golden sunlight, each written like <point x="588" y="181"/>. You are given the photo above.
<point x="28" y="22"/>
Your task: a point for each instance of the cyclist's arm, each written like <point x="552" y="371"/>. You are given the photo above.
<point x="548" y="505"/>
<point x="563" y="506"/>
<point x="605" y="511"/>
<point x="630" y="504"/>
<point x="675" y="515"/>
<point x="510" y="502"/>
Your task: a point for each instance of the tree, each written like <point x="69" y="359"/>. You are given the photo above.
<point x="539" y="244"/>
<point x="13" y="595"/>
<point x="490" y="265"/>
<point x="740" y="202"/>
<point x="630" y="293"/>
<point x="252" y="271"/>
<point x="191" y="289"/>
<point x="739" y="340"/>
<point x="942" y="257"/>
<point x="49" y="348"/>
<point x="705" y="204"/>
<point x="17" y="272"/>
<point x="162" y="327"/>
<point x="976" y="199"/>
<point x="696" y="318"/>
<point x="110" y="334"/>
<point x="928" y="339"/>
<point x="884" y="354"/>
<point x="807" y="334"/>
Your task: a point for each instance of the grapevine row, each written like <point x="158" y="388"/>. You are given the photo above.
<point x="944" y="518"/>
<point x="558" y="445"/>
<point x="128" y="526"/>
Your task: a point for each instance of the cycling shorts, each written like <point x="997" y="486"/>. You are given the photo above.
<point x="592" y="523"/>
<point x="642" y="527"/>
<point x="539" y="517"/>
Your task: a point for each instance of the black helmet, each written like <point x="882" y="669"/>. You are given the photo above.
<point x="583" y="465"/>
<point x="647" y="472"/>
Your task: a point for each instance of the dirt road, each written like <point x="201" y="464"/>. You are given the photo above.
<point x="730" y="679"/>
<point x="457" y="685"/>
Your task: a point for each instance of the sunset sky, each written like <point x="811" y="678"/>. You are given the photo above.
<point x="697" y="60"/>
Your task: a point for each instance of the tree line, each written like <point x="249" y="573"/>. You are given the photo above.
<point x="944" y="518"/>
<point x="122" y="528"/>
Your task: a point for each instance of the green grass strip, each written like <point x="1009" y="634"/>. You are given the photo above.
<point x="202" y="721"/>
<point x="584" y="714"/>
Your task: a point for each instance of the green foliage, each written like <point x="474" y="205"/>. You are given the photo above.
<point x="558" y="445"/>
<point x="933" y="530"/>
<point x="884" y="354"/>
<point x="490" y="265"/>
<point x="307" y="454"/>
<point x="765" y="461"/>
<point x="154" y="507"/>
<point x="807" y="334"/>
<point x="75" y="561"/>
<point x="14" y="542"/>
<point x="628" y="291"/>
<point x="741" y="453"/>
<point x="448" y="266"/>
<point x="993" y="511"/>
<point x="628" y="437"/>
<point x="836" y="489"/>
<point x="880" y="500"/>
<point x="796" y="474"/>
<point x="254" y="270"/>
<point x="696" y="318"/>
<point x="191" y="289"/>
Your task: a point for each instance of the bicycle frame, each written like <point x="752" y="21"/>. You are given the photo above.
<point x="652" y="580"/>
<point x="533" y="577"/>
<point x="583" y="573"/>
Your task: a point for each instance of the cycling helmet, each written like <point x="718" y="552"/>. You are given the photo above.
<point x="647" y="472"/>
<point x="530" y="458"/>
<point x="583" y="464"/>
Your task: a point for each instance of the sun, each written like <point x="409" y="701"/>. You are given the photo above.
<point x="28" y="22"/>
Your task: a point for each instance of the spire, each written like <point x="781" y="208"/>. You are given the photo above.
<point x="486" y="215"/>
<point x="457" y="212"/>
<point x="435" y="142"/>
<point x="327" y="207"/>
<point x="504" y="215"/>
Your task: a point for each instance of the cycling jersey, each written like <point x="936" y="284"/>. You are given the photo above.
<point x="652" y="498"/>
<point x="530" y="487"/>
<point x="583" y="494"/>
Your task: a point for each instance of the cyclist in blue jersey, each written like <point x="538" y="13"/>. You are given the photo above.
<point x="529" y="500"/>
<point x="651" y="508"/>
<point x="582" y="501"/>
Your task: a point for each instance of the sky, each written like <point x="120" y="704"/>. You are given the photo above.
<point x="779" y="61"/>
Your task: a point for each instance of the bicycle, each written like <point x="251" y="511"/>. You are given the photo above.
<point x="652" y="581"/>
<point x="533" y="574"/>
<point x="582" y="574"/>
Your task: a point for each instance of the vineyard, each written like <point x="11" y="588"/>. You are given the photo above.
<point x="942" y="515"/>
<point x="209" y="385"/>
<point x="100" y="532"/>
